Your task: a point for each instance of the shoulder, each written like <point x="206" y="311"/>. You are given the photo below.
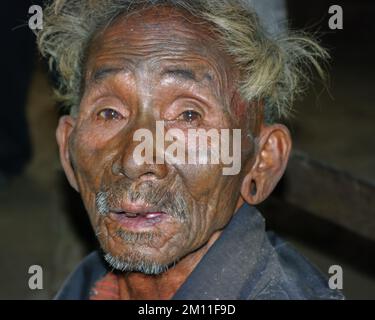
<point x="300" y="279"/>
<point x="79" y="283"/>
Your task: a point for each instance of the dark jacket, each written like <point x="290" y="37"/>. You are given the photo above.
<point x="246" y="262"/>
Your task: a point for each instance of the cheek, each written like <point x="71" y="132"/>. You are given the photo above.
<point x="92" y="147"/>
<point x="214" y="194"/>
<point x="200" y="180"/>
<point x="91" y="158"/>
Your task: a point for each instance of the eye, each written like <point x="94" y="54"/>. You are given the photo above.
<point x="190" y="116"/>
<point x="109" y="114"/>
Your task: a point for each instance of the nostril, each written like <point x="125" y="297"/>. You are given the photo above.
<point x="117" y="169"/>
<point x="126" y="167"/>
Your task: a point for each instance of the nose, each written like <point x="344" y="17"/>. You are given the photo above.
<point x="128" y="162"/>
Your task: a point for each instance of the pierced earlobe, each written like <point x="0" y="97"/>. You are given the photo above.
<point x="253" y="188"/>
<point x="250" y="190"/>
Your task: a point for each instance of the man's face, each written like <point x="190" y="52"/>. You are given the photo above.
<point x="153" y="66"/>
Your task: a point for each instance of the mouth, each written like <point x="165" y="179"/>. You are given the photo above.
<point x="137" y="218"/>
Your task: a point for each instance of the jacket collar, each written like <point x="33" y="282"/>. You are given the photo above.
<point x="233" y="265"/>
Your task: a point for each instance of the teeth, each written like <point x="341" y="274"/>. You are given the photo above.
<point x="144" y="215"/>
<point x="131" y="215"/>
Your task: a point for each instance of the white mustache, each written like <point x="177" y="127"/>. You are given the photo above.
<point x="174" y="205"/>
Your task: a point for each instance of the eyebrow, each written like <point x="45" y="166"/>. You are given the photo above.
<point x="183" y="73"/>
<point x="187" y="74"/>
<point x="104" y="72"/>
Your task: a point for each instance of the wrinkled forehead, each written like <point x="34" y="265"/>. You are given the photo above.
<point x="158" y="35"/>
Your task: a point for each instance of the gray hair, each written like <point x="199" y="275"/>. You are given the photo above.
<point x="274" y="69"/>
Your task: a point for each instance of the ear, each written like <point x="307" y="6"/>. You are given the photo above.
<point x="271" y="158"/>
<point x="63" y="132"/>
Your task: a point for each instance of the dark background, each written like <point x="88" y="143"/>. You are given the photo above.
<point x="42" y="221"/>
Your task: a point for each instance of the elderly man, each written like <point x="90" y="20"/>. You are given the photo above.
<point x="169" y="227"/>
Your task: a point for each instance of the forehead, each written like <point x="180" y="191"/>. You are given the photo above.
<point x="160" y="35"/>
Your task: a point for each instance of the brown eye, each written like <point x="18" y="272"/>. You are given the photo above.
<point x="190" y="116"/>
<point x="109" y="114"/>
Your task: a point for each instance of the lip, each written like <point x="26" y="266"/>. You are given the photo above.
<point x="132" y="207"/>
<point x="137" y="217"/>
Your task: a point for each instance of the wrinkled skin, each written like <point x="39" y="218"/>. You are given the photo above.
<point x="163" y="64"/>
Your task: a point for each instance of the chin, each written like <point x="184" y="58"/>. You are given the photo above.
<point x="137" y="261"/>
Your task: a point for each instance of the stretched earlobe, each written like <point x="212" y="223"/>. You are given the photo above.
<point x="253" y="188"/>
<point x="249" y="190"/>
